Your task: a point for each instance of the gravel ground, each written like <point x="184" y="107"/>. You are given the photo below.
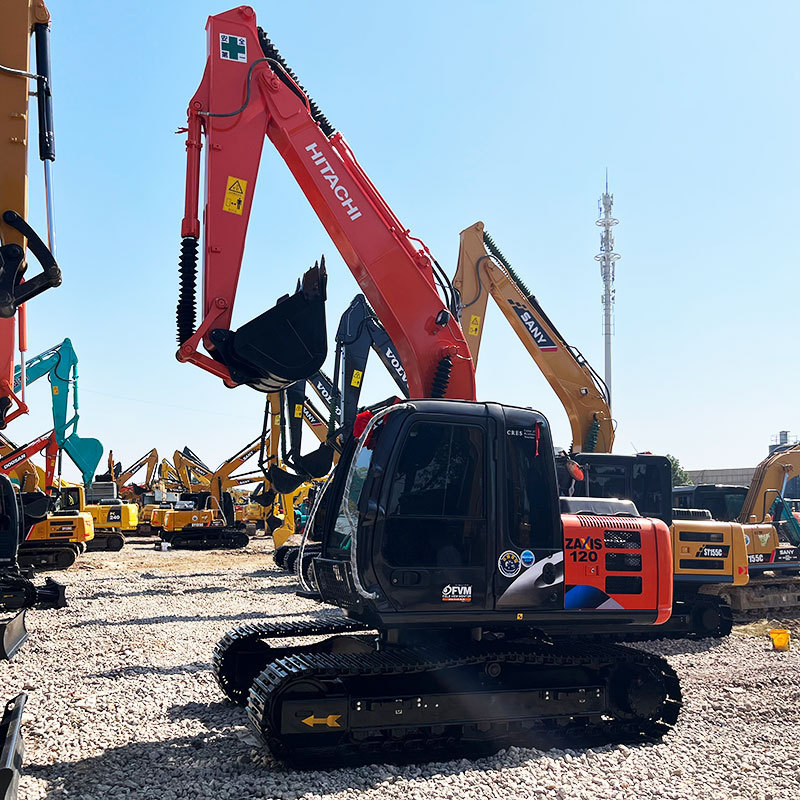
<point x="122" y="704"/>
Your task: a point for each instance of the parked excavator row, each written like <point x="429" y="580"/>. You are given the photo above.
<point x="441" y="537"/>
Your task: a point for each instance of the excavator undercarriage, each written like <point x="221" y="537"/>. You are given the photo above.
<point x="354" y="697"/>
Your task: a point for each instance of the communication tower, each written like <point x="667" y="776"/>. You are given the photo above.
<point x="608" y="259"/>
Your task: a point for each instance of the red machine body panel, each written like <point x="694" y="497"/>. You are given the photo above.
<point x="617" y="562"/>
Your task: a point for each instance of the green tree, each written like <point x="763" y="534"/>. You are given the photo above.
<point x="680" y="477"/>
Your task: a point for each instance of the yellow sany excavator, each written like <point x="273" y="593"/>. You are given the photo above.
<point x="771" y="529"/>
<point x="134" y="491"/>
<point x="709" y="555"/>
<point x="211" y="521"/>
<point x="482" y="271"/>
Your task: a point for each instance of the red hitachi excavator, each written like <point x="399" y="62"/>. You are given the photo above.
<point x="461" y="584"/>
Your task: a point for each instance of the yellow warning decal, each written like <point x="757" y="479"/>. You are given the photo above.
<point x="235" y="191"/>
<point x="520" y="616"/>
<point x="474" y="325"/>
<point x="55" y="390"/>
<point x="298" y="410"/>
<point x="356" y="379"/>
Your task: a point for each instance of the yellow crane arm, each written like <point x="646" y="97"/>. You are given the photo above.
<point x="168" y="474"/>
<point x="150" y="458"/>
<point x="583" y="394"/>
<point x="190" y="472"/>
<point x="768" y="482"/>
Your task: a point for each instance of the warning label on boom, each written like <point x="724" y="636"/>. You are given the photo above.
<point x="235" y="191"/>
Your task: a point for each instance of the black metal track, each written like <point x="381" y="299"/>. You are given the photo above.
<point x="348" y="670"/>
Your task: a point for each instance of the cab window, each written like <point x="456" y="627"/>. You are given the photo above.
<point x="529" y="496"/>
<point x="435" y="514"/>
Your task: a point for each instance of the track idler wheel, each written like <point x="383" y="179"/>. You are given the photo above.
<point x="711" y="617"/>
<point x="237" y="664"/>
<point x="638" y="691"/>
<point x="307" y="567"/>
<point x="115" y="542"/>
<point x="279" y="556"/>
<point x="291" y="559"/>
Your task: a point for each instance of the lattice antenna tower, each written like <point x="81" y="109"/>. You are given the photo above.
<point x="608" y="259"/>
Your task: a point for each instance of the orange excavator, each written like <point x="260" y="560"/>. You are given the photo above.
<point x="465" y="588"/>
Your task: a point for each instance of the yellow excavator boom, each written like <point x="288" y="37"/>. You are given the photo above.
<point x="768" y="482"/>
<point x="482" y="271"/>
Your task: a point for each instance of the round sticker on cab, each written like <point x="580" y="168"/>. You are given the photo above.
<point x="527" y="558"/>
<point x="509" y="564"/>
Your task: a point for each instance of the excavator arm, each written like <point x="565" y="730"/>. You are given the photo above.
<point x="190" y="472"/>
<point x="248" y="92"/>
<point x="45" y="444"/>
<point x="60" y="364"/>
<point x="21" y="20"/>
<point x="482" y="271"/>
<point x="768" y="484"/>
<point x="150" y="459"/>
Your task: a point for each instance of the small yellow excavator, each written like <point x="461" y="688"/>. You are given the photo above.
<point x="211" y="521"/>
<point x="110" y="517"/>
<point x="57" y="533"/>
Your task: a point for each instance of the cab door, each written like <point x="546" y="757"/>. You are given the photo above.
<point x="529" y="552"/>
<point x="432" y="527"/>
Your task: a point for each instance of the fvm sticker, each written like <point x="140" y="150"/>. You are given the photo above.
<point x="543" y="341"/>
<point x="509" y="564"/>
<point x="457" y="593"/>
<point x="527" y="558"/>
<point x="232" y="48"/>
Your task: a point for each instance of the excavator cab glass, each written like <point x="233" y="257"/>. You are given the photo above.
<point x="68" y="500"/>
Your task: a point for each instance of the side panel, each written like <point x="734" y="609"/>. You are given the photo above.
<point x="709" y="552"/>
<point x="528" y="561"/>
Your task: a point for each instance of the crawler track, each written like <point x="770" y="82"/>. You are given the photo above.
<point x="344" y="699"/>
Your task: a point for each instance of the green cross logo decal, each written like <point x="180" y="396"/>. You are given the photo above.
<point x="232" y="48"/>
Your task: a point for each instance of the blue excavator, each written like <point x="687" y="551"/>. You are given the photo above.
<point x="60" y="364"/>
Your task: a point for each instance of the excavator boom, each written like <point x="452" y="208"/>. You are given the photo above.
<point x="248" y="92"/>
<point x="60" y="364"/>
<point x="21" y="20"/>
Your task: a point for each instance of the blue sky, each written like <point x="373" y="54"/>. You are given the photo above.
<point x="459" y="111"/>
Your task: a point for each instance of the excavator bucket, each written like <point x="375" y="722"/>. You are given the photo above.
<point x="85" y="453"/>
<point x="318" y="463"/>
<point x="14" y="634"/>
<point x="284" y="344"/>
<point x="12" y="748"/>
<point x="284" y="482"/>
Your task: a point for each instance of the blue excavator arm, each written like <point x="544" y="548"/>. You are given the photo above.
<point x="60" y="364"/>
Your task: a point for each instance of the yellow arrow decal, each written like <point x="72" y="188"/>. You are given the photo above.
<point x="332" y="720"/>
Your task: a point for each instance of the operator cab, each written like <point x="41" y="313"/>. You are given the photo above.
<point x="447" y="512"/>
<point x="724" y="502"/>
<point x="643" y="478"/>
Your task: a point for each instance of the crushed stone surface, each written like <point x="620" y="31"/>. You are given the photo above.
<point x="122" y="704"/>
